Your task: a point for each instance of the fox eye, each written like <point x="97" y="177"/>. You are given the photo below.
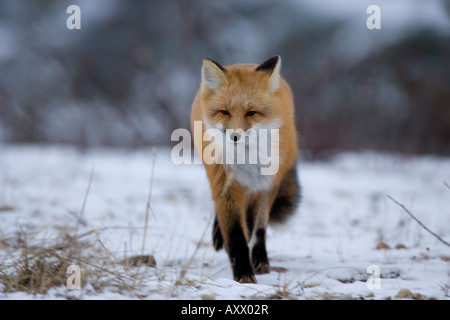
<point x="225" y="112"/>
<point x="250" y="113"/>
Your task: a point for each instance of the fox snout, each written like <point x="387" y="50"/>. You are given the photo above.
<point x="235" y="137"/>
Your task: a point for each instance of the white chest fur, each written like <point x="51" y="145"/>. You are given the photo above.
<point x="249" y="176"/>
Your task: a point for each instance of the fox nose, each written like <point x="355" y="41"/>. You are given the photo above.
<point x="235" y="137"/>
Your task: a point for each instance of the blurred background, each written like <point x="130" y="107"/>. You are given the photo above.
<point x="129" y="76"/>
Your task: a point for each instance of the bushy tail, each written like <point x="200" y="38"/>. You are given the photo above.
<point x="288" y="198"/>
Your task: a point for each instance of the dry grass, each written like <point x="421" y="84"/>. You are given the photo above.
<point x="36" y="266"/>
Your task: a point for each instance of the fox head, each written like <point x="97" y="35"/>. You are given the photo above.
<point x="239" y="108"/>
<point x="240" y="96"/>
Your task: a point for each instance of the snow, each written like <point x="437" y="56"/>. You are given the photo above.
<point x="322" y="252"/>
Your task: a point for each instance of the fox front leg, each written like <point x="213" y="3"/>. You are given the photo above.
<point x="233" y="228"/>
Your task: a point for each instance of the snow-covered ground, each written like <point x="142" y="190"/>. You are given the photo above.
<point x="323" y="252"/>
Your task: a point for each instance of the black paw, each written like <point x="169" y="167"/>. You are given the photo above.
<point x="248" y="278"/>
<point x="260" y="261"/>
<point x="261" y="267"/>
<point x="217" y="236"/>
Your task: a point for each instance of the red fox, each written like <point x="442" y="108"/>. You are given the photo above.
<point x="240" y="98"/>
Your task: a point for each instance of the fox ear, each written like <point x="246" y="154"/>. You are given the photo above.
<point x="272" y="68"/>
<point x="213" y="75"/>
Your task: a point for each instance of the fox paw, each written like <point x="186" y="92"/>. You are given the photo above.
<point x="261" y="267"/>
<point x="217" y="236"/>
<point x="248" y="278"/>
<point x="218" y="242"/>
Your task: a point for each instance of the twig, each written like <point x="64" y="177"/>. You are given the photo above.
<point x="418" y="221"/>
<point x="86" y="194"/>
<point x="188" y="264"/>
<point x="446" y="184"/>
<point x="147" y="209"/>
<point x="151" y="185"/>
